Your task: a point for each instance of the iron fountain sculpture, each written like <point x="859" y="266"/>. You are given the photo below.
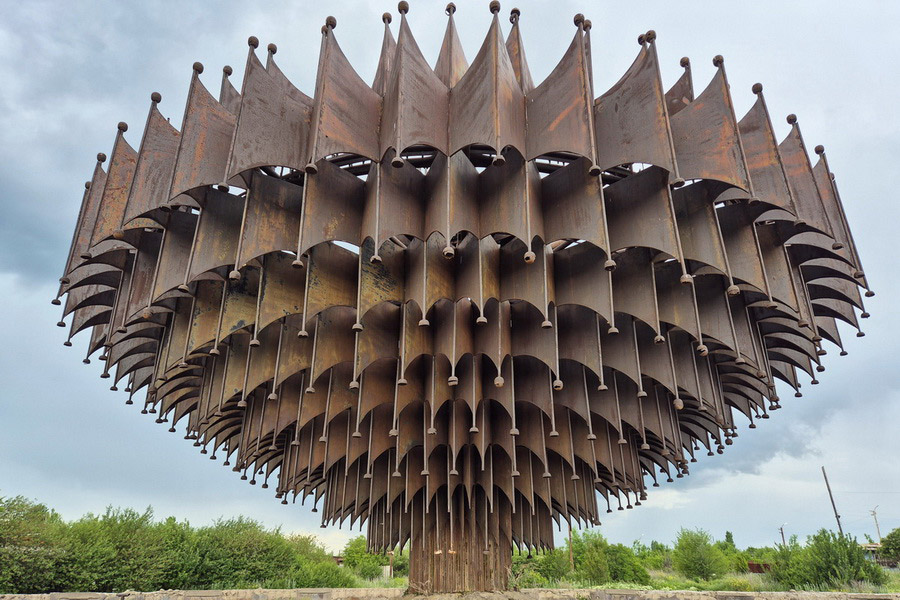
<point x="456" y="306"/>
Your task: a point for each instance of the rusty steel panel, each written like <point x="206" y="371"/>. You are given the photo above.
<point x="456" y="305"/>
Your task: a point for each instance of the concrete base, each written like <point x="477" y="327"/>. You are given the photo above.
<point x="398" y="593"/>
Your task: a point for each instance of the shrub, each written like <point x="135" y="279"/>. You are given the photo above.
<point x="401" y="564"/>
<point x="524" y="573"/>
<point x="624" y="565"/>
<point x="730" y="584"/>
<point x="594" y="565"/>
<point x="554" y="564"/>
<point x="309" y="574"/>
<point x="695" y="556"/>
<point x="117" y="550"/>
<point x="890" y="545"/>
<point x="829" y="560"/>
<point x="357" y="557"/>
<point x="655" y="557"/>
<point x="31" y="560"/>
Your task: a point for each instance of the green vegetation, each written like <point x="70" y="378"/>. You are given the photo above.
<point x="696" y="557"/>
<point x="827" y="562"/>
<point x="125" y="549"/>
<point x="890" y="545"/>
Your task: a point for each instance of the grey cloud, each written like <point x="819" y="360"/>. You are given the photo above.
<point x="73" y="70"/>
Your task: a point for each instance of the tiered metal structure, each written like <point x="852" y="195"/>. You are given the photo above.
<point x="454" y="305"/>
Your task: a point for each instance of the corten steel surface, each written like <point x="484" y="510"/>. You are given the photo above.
<point x="454" y="305"/>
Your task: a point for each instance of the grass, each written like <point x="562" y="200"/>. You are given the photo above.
<point x="665" y="580"/>
<point x="733" y="582"/>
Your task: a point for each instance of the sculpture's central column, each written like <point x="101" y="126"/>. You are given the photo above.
<point x="465" y="547"/>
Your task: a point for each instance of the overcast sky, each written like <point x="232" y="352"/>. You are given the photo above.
<point x="73" y="69"/>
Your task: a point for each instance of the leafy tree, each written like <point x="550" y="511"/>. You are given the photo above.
<point x="735" y="560"/>
<point x="126" y="549"/>
<point x="657" y="556"/>
<point x="401" y="564"/>
<point x="114" y="551"/>
<point x="370" y="568"/>
<point x="364" y="563"/>
<point x="239" y="553"/>
<point x="834" y="559"/>
<point x="524" y="573"/>
<point x="624" y="565"/>
<point x="828" y="560"/>
<point x="354" y="551"/>
<point x="30" y="558"/>
<point x="554" y="564"/>
<point x="594" y="565"/>
<point x="696" y="557"/>
<point x="890" y="545"/>
<point x="729" y="540"/>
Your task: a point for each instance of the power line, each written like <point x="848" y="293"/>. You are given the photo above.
<point x="858" y="492"/>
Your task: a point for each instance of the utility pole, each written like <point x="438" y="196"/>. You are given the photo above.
<point x="833" y="505"/>
<point x="874" y="513"/>
<point x="781" y="529"/>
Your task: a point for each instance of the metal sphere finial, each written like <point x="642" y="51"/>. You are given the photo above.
<point x="494" y="6"/>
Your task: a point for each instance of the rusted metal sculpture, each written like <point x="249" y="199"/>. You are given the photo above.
<point x="454" y="305"/>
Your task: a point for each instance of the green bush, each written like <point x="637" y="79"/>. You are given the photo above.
<point x="829" y="560"/>
<point x="125" y="549"/>
<point x="655" y="557"/>
<point x="370" y="568"/>
<point x="31" y="560"/>
<point x="890" y="545"/>
<point x="696" y="557"/>
<point x="554" y="564"/>
<point x="593" y="567"/>
<point x="357" y="557"/>
<point x="314" y="574"/>
<point x="524" y="573"/>
<point x="115" y="551"/>
<point x="735" y="560"/>
<point x="401" y="564"/>
<point x="624" y="565"/>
